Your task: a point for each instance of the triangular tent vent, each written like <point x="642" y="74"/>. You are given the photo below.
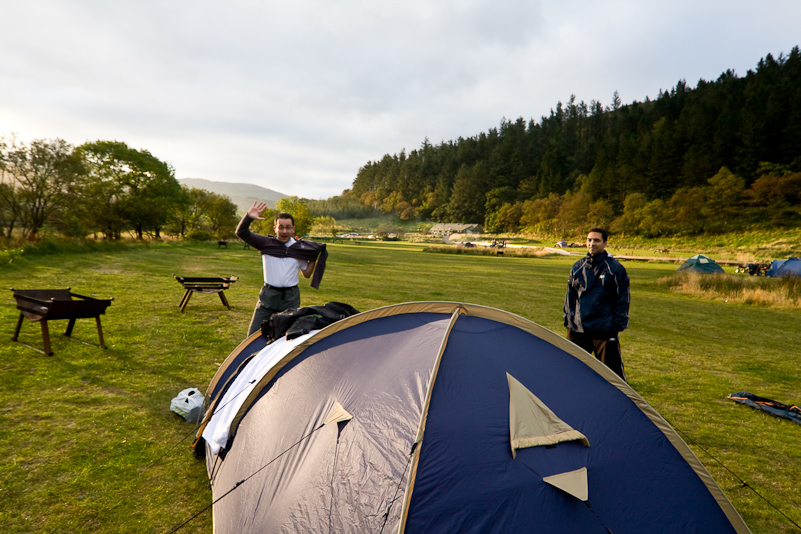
<point x="338" y="414"/>
<point x="532" y="423"/>
<point x="572" y="482"/>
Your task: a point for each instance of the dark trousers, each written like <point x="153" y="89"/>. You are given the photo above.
<point x="606" y="350"/>
<point x="273" y="300"/>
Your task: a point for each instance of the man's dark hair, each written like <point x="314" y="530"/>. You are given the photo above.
<point x="285" y="215"/>
<point x="604" y="233"/>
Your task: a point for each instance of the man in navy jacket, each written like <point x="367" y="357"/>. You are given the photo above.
<point x="597" y="302"/>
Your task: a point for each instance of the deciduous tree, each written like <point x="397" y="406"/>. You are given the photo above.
<point x="221" y="215"/>
<point x="724" y="200"/>
<point x="37" y="180"/>
<point x="297" y="208"/>
<point x="140" y="188"/>
<point x="325" y="225"/>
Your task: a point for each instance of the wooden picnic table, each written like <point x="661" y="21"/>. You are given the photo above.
<point x="204" y="284"/>
<point x="43" y="305"/>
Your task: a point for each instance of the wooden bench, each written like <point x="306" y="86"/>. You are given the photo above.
<point x="204" y="285"/>
<point x="43" y="305"/>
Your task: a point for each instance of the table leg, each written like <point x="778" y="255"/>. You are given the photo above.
<point x="185" y="300"/>
<point x="46" y="337"/>
<point x="224" y="300"/>
<point x="100" y="332"/>
<point x="70" y="326"/>
<point x="16" y="331"/>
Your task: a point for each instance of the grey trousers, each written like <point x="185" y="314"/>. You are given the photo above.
<point x="273" y="300"/>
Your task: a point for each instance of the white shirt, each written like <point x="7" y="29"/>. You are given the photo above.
<point x="282" y="272"/>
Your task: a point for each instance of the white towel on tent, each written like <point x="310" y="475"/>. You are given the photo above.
<point x="218" y="429"/>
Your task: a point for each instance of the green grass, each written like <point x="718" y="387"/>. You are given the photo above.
<point x="741" y="246"/>
<point x="88" y="444"/>
<point x="762" y="245"/>
<point x="371" y="225"/>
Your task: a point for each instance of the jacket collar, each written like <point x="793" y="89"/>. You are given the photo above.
<point x="592" y="259"/>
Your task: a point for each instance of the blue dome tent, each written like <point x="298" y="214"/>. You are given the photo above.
<point x="444" y="417"/>
<point x="789" y="267"/>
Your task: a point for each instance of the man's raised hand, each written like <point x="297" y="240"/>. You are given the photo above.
<point x="256" y="210"/>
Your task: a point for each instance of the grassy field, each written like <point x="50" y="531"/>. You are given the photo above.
<point x="88" y="444"/>
<point x="761" y="245"/>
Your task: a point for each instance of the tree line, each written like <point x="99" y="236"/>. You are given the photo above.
<point x="108" y="189"/>
<point x="102" y="188"/>
<point x="721" y="156"/>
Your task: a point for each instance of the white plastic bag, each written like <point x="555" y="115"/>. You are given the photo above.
<point x="189" y="404"/>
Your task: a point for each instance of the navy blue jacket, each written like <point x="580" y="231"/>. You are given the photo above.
<point x="597" y="300"/>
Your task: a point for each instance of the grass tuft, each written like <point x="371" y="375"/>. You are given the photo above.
<point x="784" y="292"/>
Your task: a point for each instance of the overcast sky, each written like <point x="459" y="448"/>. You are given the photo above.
<point x="297" y="95"/>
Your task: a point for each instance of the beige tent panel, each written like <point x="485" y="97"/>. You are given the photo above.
<point x="572" y="482"/>
<point x="338" y="414"/>
<point x="532" y="423"/>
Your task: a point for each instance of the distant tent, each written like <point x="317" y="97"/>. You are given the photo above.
<point x="443" y="417"/>
<point x="774" y="265"/>
<point x="789" y="267"/>
<point x="700" y="264"/>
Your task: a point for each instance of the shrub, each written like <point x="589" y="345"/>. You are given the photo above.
<point x="199" y="235"/>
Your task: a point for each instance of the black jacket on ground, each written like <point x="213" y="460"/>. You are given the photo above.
<point x="598" y="297"/>
<point x="297" y="322"/>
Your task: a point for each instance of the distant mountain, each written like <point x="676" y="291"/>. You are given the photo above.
<point x="243" y="195"/>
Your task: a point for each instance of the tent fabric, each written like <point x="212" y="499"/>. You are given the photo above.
<point x="286" y="325"/>
<point x="428" y="445"/>
<point x="217" y="429"/>
<point x="371" y="454"/>
<point x="700" y="264"/>
<point x="338" y="415"/>
<point x="572" y="482"/>
<point x="774" y="266"/>
<point x="773" y="407"/>
<point x="531" y="423"/>
<point x="789" y="267"/>
<point x="239" y="356"/>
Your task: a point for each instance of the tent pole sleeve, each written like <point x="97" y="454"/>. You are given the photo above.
<point x="407" y="498"/>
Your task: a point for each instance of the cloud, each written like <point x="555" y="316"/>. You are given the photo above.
<point x="296" y="96"/>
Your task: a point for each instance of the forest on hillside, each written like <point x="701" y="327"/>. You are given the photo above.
<point x="721" y="156"/>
